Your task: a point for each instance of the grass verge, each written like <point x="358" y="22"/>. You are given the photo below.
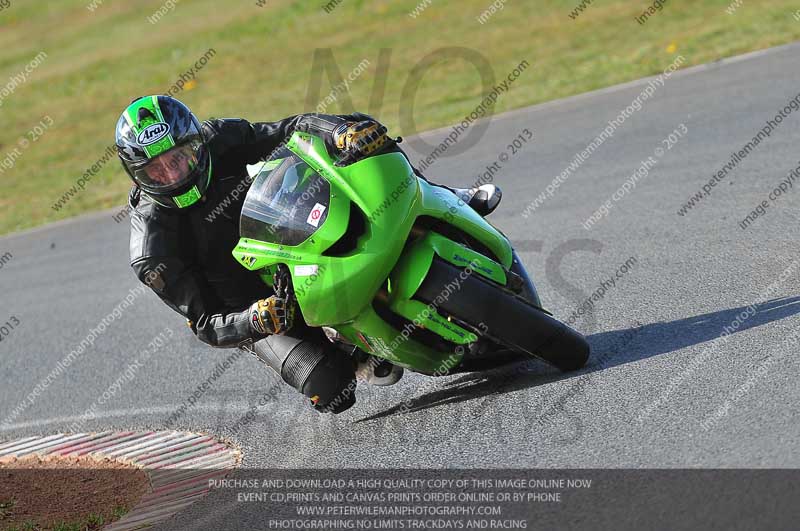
<point x="59" y="122"/>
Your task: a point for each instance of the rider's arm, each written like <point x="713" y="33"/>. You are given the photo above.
<point x="157" y="260"/>
<point x="251" y="142"/>
<point x="187" y="293"/>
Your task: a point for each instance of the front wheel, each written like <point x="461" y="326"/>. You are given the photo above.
<point x="505" y="318"/>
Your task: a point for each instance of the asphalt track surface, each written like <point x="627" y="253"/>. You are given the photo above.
<point x="659" y="390"/>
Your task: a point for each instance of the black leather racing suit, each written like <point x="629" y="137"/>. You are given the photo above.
<point x="186" y="257"/>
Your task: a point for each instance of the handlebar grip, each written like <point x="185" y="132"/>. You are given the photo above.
<point x="348" y="158"/>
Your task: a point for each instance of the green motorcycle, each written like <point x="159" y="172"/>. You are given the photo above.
<point x="401" y="269"/>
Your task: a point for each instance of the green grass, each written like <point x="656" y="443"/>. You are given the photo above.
<point x="97" y="62"/>
<point x="6" y="508"/>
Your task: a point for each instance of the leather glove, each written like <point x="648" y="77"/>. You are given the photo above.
<point x="359" y="139"/>
<point x="272" y="316"/>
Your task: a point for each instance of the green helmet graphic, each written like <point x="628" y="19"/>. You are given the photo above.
<point x="161" y="146"/>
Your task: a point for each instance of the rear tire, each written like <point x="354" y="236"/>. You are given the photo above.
<point x="506" y="318"/>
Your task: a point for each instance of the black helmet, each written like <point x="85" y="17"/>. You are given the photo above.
<point x="161" y="146"/>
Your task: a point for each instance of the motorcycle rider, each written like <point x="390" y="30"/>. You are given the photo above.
<point x="183" y="171"/>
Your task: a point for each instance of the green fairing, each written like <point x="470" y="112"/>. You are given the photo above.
<point x="338" y="291"/>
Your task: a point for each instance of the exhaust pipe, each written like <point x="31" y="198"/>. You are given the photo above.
<point x="317" y="370"/>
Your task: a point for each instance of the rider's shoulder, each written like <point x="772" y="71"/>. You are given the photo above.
<point x="223" y="134"/>
<point x="147" y="213"/>
<point x="156" y="233"/>
<point x="216" y="129"/>
<point x="220" y="124"/>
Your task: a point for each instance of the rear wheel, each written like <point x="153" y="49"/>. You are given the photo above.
<point x="502" y="316"/>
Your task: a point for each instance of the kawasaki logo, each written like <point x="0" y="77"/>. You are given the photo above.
<point x="153" y="133"/>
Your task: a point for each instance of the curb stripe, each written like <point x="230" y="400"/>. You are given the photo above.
<point x="79" y="443"/>
<point x="114" y="452"/>
<point x="213" y="450"/>
<point x="10" y="444"/>
<point x="148" y="449"/>
<point x="220" y="460"/>
<point x="16" y="450"/>
<point x="195" y="480"/>
<point x="113" y="444"/>
<point x="49" y="447"/>
<point x="144" y="458"/>
<point x="178" y="465"/>
<point x="126" y="452"/>
<point x="177" y="454"/>
<point x="88" y="445"/>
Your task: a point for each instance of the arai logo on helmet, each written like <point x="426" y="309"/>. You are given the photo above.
<point x="153" y="133"/>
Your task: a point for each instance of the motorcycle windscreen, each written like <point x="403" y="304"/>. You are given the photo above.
<point x="287" y="203"/>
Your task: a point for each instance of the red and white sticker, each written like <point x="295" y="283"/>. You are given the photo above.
<point x="316" y="215"/>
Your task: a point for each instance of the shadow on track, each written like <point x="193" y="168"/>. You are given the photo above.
<point x="609" y="349"/>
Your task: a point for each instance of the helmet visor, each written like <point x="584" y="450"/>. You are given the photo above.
<point x="170" y="170"/>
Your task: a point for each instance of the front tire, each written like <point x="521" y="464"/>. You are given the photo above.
<point x="506" y="319"/>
